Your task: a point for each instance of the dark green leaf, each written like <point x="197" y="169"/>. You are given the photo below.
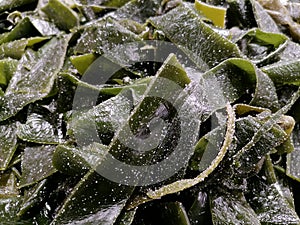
<point x="284" y="73"/>
<point x="141" y="110"/>
<point x="126" y="217"/>
<point x="37" y="130"/>
<point x="36" y="164"/>
<point x="270" y="205"/>
<point x="187" y="183"/>
<point x="199" y="212"/>
<point x="293" y="158"/>
<point x="22" y="30"/>
<point x="137" y="10"/>
<point x="207" y="149"/>
<point x="162" y="213"/>
<point x="231" y="209"/>
<point x="92" y="202"/>
<point x="263" y="19"/>
<point x="240" y="14"/>
<point x="252" y="145"/>
<point x="175" y="212"/>
<point x="268" y="123"/>
<point x="265" y="92"/>
<point x="8" y="144"/>
<point x="184" y="27"/>
<point x="102" y="36"/>
<point x="11" y="4"/>
<point x="262" y="47"/>
<point x="10" y="200"/>
<point x="8" y="185"/>
<point x="32" y="197"/>
<point x="74" y="161"/>
<point x="34" y="77"/>
<point x="106" y="118"/>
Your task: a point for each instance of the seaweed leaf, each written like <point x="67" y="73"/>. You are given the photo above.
<point x="187" y="183"/>
<point x="232" y="208"/>
<point x="185" y="28"/>
<point x="11" y="4"/>
<point x="103" y="36"/>
<point x="34" y="77"/>
<point x="91" y="201"/>
<point x="37" y="130"/>
<point x="7" y="68"/>
<point x="36" y="164"/>
<point x="63" y="16"/>
<point x="215" y="14"/>
<point x="8" y="144"/>
<point x="270" y="205"/>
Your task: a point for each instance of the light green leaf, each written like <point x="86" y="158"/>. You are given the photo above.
<point x="7" y="68"/>
<point x="63" y="16"/>
<point x="214" y="13"/>
<point x="82" y="62"/>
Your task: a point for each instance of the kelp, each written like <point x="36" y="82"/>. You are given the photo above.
<point x="278" y="72"/>
<point x="21" y="89"/>
<point x="263" y="198"/>
<point x="98" y="206"/>
<point x="263" y="19"/>
<point x="37" y="130"/>
<point x="262" y="47"/>
<point x="187" y="183"/>
<point x="232" y="208"/>
<point x="7" y="68"/>
<point x="142" y="9"/>
<point x="36" y="164"/>
<point x="8" y="144"/>
<point x="16" y="49"/>
<point x="210" y="48"/>
<point x="10" y="4"/>
<point x="292" y="158"/>
<point x="62" y="16"/>
<point x="213" y="13"/>
<point x="23" y="29"/>
<point x="282" y="17"/>
<point x="148" y="112"/>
